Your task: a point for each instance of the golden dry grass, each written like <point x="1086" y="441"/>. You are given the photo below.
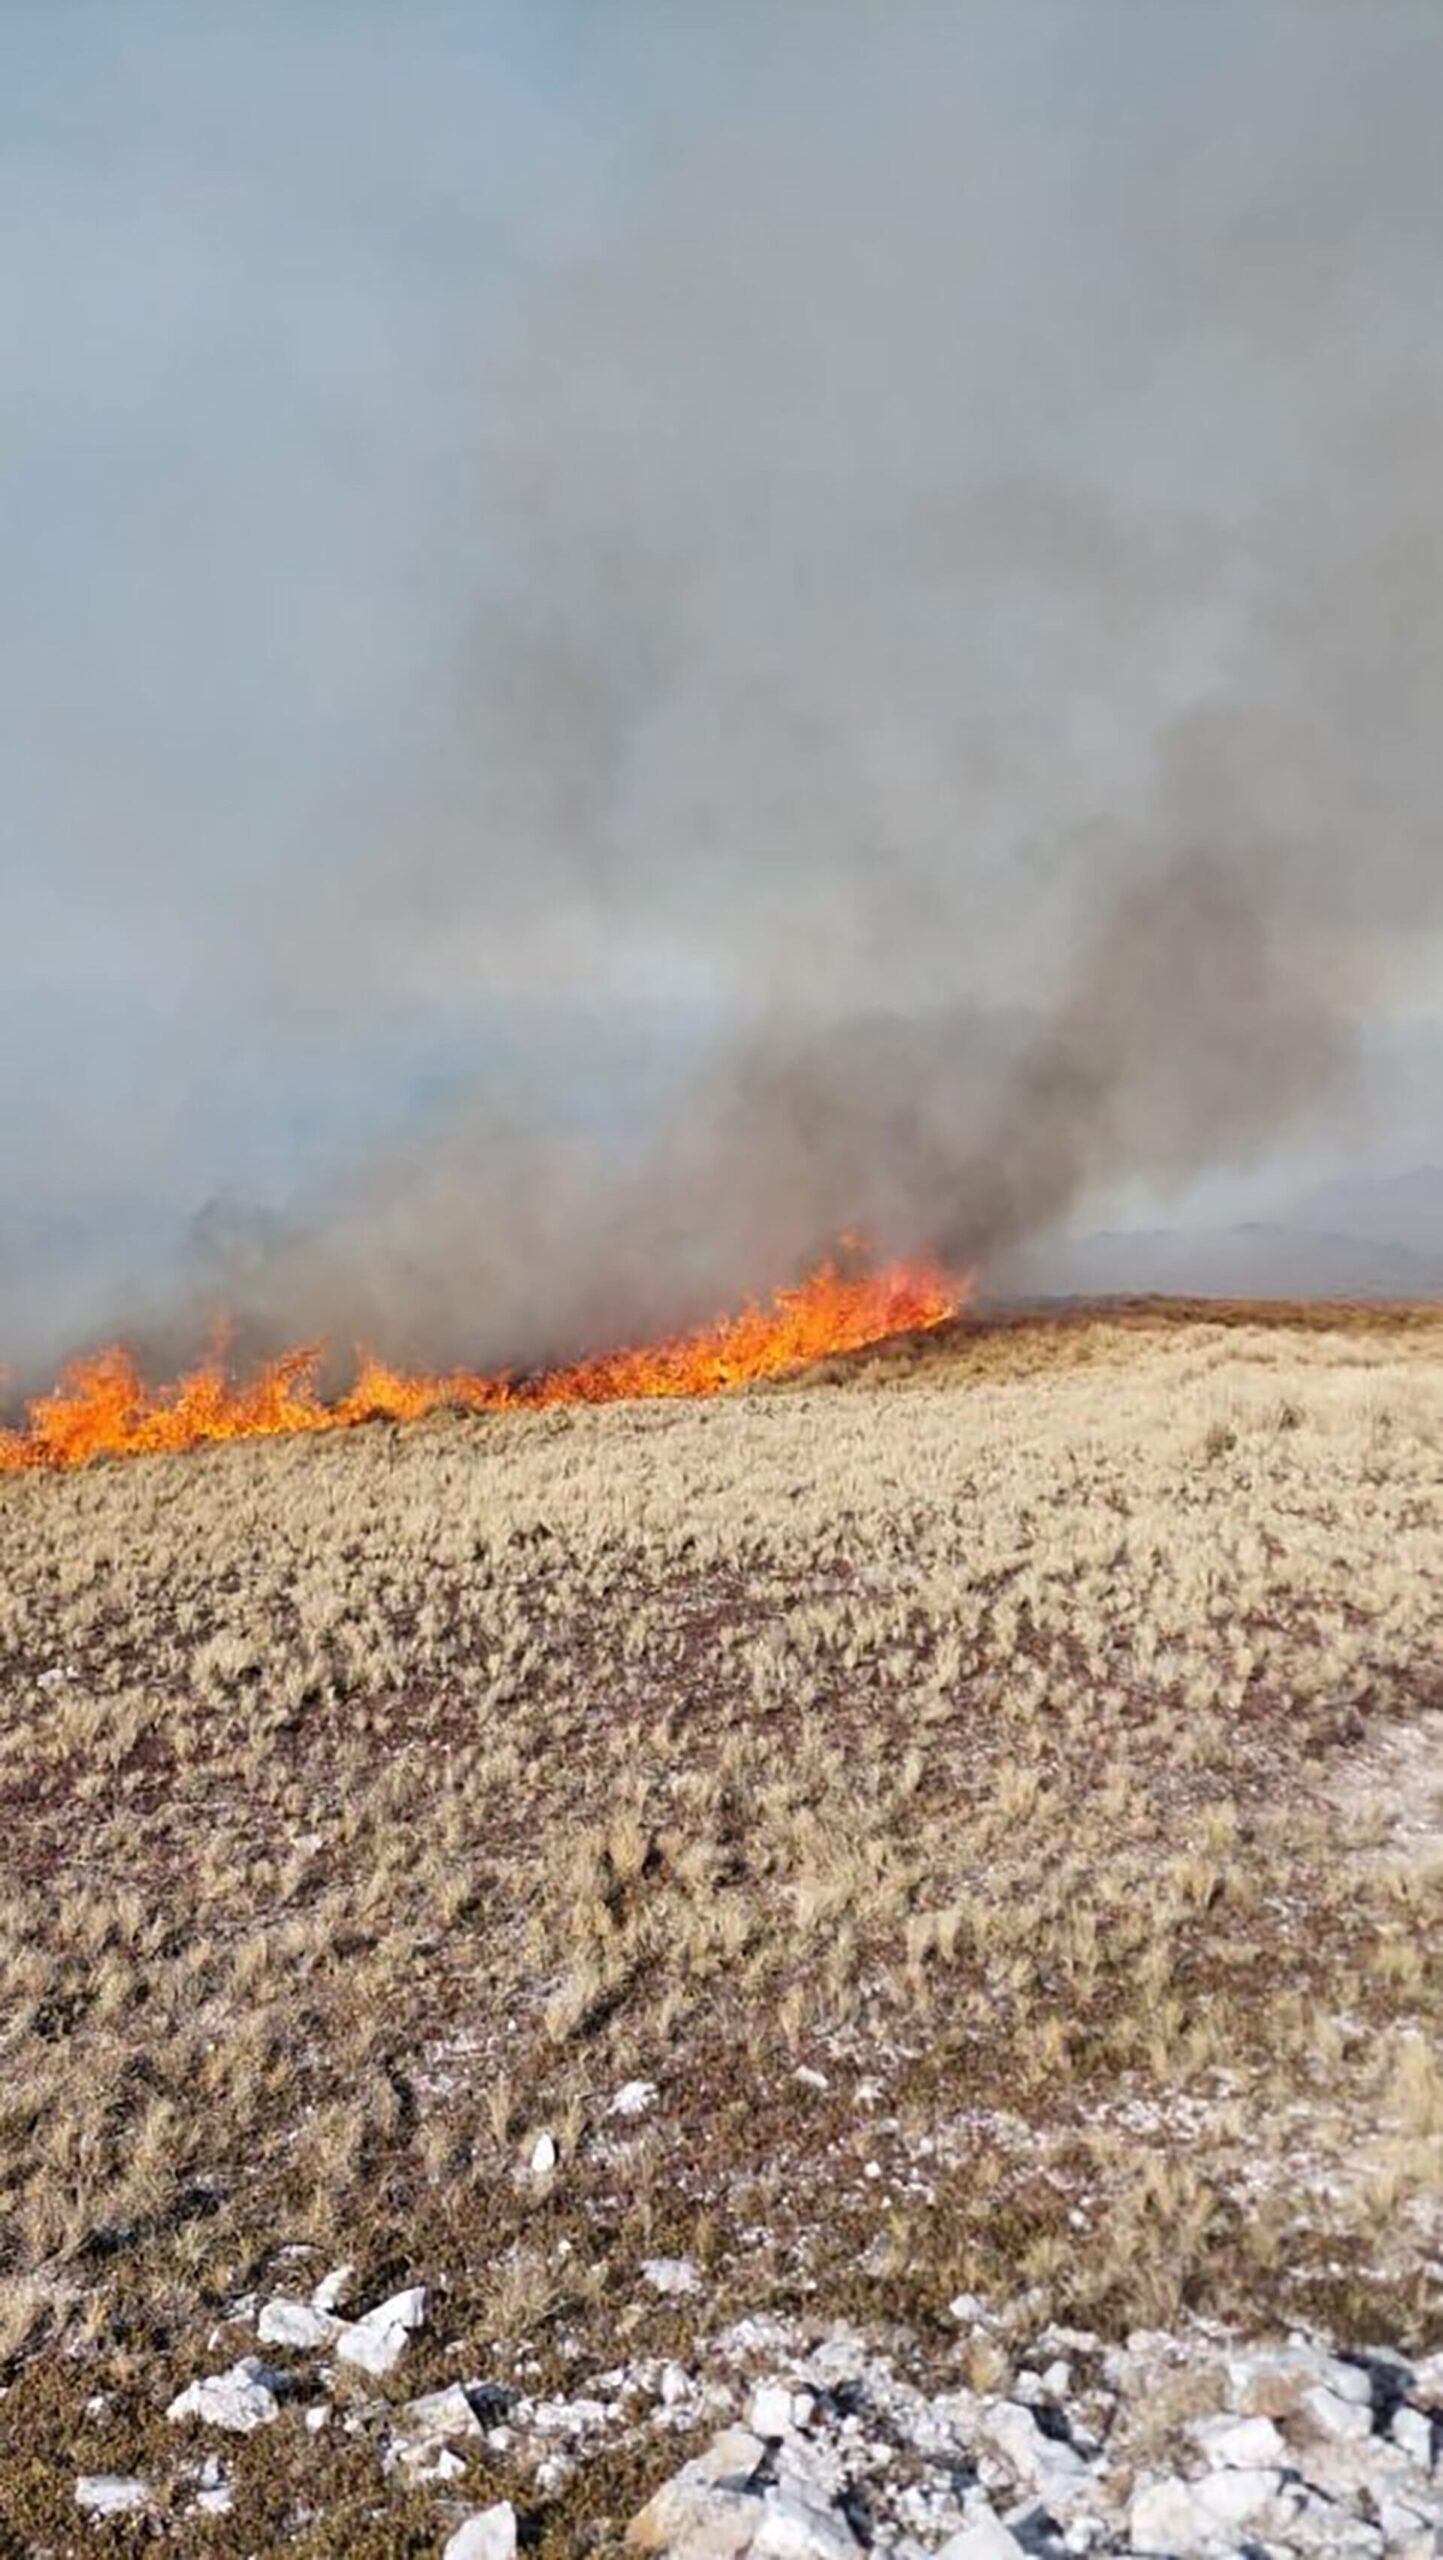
<point x="966" y="1731"/>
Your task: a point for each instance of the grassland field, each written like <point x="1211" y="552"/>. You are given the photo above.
<point x="988" y="1787"/>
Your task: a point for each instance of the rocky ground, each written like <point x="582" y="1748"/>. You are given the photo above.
<point x="787" y="2442"/>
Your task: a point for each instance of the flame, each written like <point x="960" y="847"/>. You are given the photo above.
<point x="102" y="1407"/>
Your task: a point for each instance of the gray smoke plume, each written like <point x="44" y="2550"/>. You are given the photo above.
<point x="946" y="689"/>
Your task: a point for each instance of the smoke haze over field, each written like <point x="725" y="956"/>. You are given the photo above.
<point x="634" y="638"/>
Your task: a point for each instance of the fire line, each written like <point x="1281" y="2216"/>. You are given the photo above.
<point x="102" y="1407"/>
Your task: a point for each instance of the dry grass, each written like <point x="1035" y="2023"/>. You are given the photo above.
<point x="966" y="1732"/>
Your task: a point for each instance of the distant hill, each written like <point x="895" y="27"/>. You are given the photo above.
<point x="1345" y="1239"/>
<point x="1401" y="1208"/>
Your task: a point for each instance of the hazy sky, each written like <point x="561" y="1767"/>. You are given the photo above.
<point x="332" y="337"/>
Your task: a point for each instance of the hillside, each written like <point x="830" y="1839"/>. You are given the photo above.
<point x="1377" y="1238"/>
<point x="962" y="1825"/>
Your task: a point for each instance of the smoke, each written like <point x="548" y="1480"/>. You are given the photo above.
<point x="940" y="684"/>
<point x="1183" y="1035"/>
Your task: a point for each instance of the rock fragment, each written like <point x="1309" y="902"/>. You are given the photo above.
<point x="448" y="2412"/>
<point x="634" y="2099"/>
<point x="1035" y="2457"/>
<point x="111" y="2493"/>
<point x="240" y="2401"/>
<point x="672" y="2275"/>
<point x="302" y="2325"/>
<point x="333" y="2289"/>
<point x="1269" y="2382"/>
<point x="727" y="2505"/>
<point x="1428" y="2381"/>
<point x="1240" y="2444"/>
<point x="426" y="2430"/>
<point x="1185" y="2516"/>
<point x="1408" y="2533"/>
<point x="377" y="2341"/>
<point x="1324" y="2411"/>
<point x="1412" y="2432"/>
<point x="776" y="2410"/>
<point x="983" y="2537"/>
<point x="488" y="2535"/>
<point x="214" y="2497"/>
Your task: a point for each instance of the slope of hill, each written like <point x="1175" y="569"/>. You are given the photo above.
<point x="822" y="1855"/>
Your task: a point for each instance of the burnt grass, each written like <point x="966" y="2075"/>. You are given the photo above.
<point x="961" y="1727"/>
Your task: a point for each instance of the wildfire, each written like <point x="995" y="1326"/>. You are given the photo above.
<point x="102" y="1407"/>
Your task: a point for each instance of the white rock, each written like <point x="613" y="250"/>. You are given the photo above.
<point x="967" y="2306"/>
<point x="578" y="2417"/>
<point x="634" y="2099"/>
<point x="707" y="2501"/>
<point x="983" y="2537"/>
<point x="296" y="2324"/>
<point x="318" y="2416"/>
<point x="1033" y="2456"/>
<point x="672" y="2275"/>
<point x="674" y="2385"/>
<point x="1240" y="2444"/>
<point x="1346" y="2473"/>
<point x="770" y="2412"/>
<point x="111" y="2493"/>
<point x="488" y="2535"/>
<point x="1268" y="2382"/>
<point x="436" y="2415"/>
<point x="791" y="2528"/>
<point x="377" y="2351"/>
<point x="811" y="2078"/>
<point x="377" y="2341"/>
<point x="1236" y="2497"/>
<point x="405" y="2310"/>
<point x="432" y="2462"/>
<point x="1084" y="2533"/>
<point x="332" y="2290"/>
<point x="1324" y="2528"/>
<point x="240" y="2400"/>
<point x="1057" y="2380"/>
<point x="1342" y="2421"/>
<point x="542" y="2158"/>
<point x="1428" y="2381"/>
<point x="1181" y="2516"/>
<point x="1164" y="2516"/>
<point x="1412" y="2432"/>
<point x="1406" y="2532"/>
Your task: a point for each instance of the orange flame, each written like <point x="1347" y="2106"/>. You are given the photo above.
<point x="102" y="1407"/>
